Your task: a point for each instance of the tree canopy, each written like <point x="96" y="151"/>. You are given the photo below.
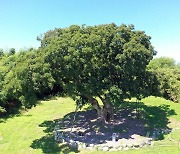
<point x="105" y="61"/>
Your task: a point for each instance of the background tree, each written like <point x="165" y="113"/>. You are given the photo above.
<point x="162" y="62"/>
<point x="1" y="53"/>
<point x="168" y="76"/>
<point x="12" y="51"/>
<point x="24" y="79"/>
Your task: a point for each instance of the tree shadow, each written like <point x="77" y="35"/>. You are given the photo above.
<point x="47" y="142"/>
<point x="130" y="118"/>
<point x="153" y="117"/>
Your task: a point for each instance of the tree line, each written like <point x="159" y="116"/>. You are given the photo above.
<point x="109" y="62"/>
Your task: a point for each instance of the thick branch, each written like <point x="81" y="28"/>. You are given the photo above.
<point x="108" y="109"/>
<point x="96" y="106"/>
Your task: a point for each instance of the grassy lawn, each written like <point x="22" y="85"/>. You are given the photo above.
<point x="20" y="133"/>
<point x="32" y="131"/>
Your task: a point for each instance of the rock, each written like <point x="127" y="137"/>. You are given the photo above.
<point x="105" y="148"/>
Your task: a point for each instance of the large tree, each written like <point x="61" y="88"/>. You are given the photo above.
<point x="105" y="61"/>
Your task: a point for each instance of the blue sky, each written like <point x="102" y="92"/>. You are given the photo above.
<point x="21" y="21"/>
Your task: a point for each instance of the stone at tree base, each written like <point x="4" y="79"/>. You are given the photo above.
<point x="80" y="142"/>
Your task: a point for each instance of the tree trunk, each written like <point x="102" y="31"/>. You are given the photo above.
<point x="107" y="109"/>
<point x="96" y="106"/>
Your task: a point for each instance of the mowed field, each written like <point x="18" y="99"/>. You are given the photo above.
<point x="32" y="131"/>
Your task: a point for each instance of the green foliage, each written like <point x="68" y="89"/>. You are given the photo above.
<point x="12" y="51"/>
<point x="24" y="78"/>
<point x="168" y="76"/>
<point x="104" y="60"/>
<point x="1" y="53"/>
<point x="162" y="62"/>
<point x="169" y="83"/>
<point x="2" y="110"/>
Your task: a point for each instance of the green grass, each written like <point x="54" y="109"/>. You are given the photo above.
<point x="20" y="134"/>
<point x="32" y="131"/>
